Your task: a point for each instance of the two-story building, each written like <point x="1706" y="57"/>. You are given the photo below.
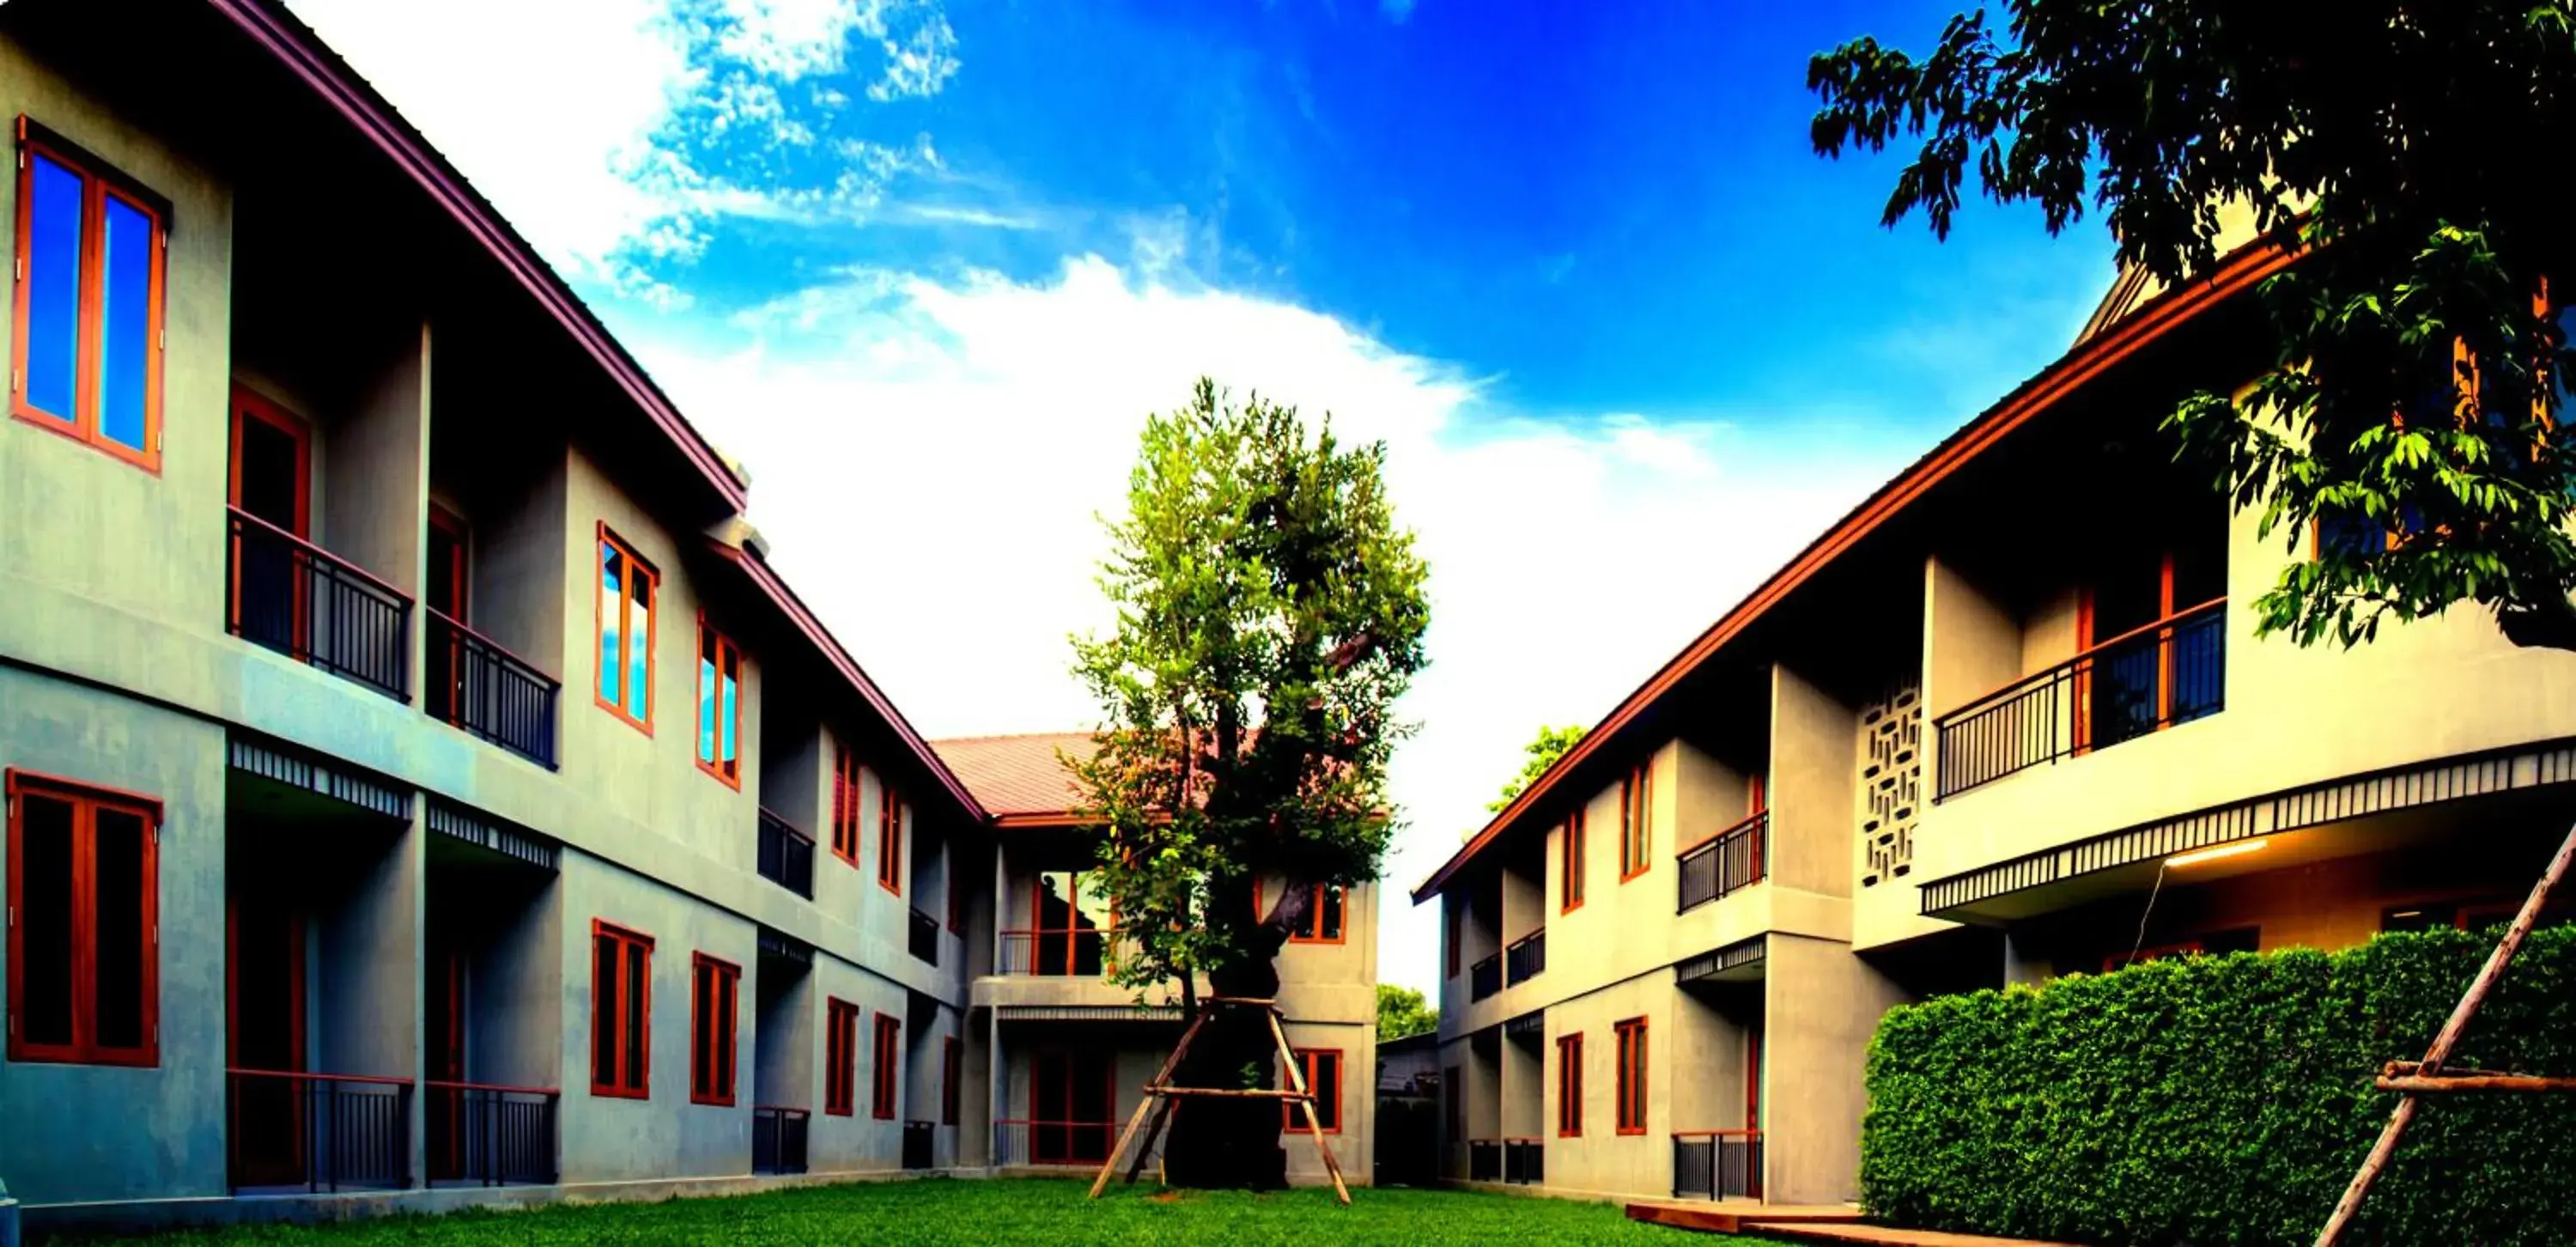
<point x="420" y="788"/>
<point x="2006" y="720"/>
<point x="1069" y="1051"/>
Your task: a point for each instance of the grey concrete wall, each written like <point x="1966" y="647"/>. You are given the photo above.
<point x="859" y="1141"/>
<point x="519" y="996"/>
<point x="1812" y="737"/>
<point x="786" y="1022"/>
<point x="1820" y="1009"/>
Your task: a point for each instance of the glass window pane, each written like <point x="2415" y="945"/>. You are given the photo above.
<point x="732" y="714"/>
<point x="53" y="286"/>
<point x="706" y="709"/>
<point x="1327" y="1086"/>
<point x="612" y="601"/>
<point x="1332" y="907"/>
<point x="633" y="1002"/>
<point x="639" y="641"/>
<point x="45" y="927"/>
<point x="125" y="322"/>
<point x="119" y="885"/>
<point x="604" y="1010"/>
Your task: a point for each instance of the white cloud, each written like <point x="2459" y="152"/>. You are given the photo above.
<point x="931" y="455"/>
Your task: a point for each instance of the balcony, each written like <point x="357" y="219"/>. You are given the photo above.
<point x="924" y="938"/>
<point x="1485" y="978"/>
<point x="485" y="1135"/>
<point x="294" y="597"/>
<point x="1526" y="959"/>
<point x="917" y="1146"/>
<point x="320" y="1132"/>
<point x="1717" y="1164"/>
<point x="487" y="691"/>
<point x="786" y="855"/>
<point x="778" y="1139"/>
<point x="1733" y="859"/>
<point x="1085" y="952"/>
<point x="2142" y="681"/>
<point x="1524" y="1162"/>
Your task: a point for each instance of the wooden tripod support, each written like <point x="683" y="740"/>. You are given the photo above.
<point x="2415" y="1078"/>
<point x="1161" y="1095"/>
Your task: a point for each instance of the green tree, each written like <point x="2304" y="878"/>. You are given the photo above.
<point x="1543" y="750"/>
<point x="2403" y="147"/>
<point x="1401" y="1011"/>
<point x="1270" y="611"/>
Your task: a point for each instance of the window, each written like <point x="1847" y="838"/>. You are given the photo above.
<point x="84" y="961"/>
<point x="87" y="309"/>
<point x="888" y="1067"/>
<point x="1322" y="1070"/>
<point x="840" y="1057"/>
<point x="1632" y="1076"/>
<point x="889" y="837"/>
<point x="1326" y="908"/>
<point x="625" y="602"/>
<point x="713" y="988"/>
<point x="621" y="1012"/>
<point x="1570" y="849"/>
<point x="952" y="1052"/>
<point x="845" y="804"/>
<point x="1636" y="822"/>
<point x="2141" y="671"/>
<point x="1569" y="1086"/>
<point x="1753" y="1079"/>
<point x="1071" y="920"/>
<point x="719" y="705"/>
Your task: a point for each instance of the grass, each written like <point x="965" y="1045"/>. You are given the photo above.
<point x="938" y="1210"/>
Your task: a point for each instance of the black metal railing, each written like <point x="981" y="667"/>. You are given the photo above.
<point x="1021" y="1142"/>
<point x="321" y="1132"/>
<point x="2171" y="671"/>
<point x="486" y="1135"/>
<point x="917" y="1136"/>
<point x="1525" y="958"/>
<point x="473" y="683"/>
<point x="924" y="937"/>
<point x="1717" y="1164"/>
<point x="1080" y="953"/>
<point x="778" y="1139"/>
<point x="1484" y="1160"/>
<point x="292" y="596"/>
<point x="786" y="855"/>
<point x="1524" y="1161"/>
<point x="1737" y="857"/>
<point x="1485" y="978"/>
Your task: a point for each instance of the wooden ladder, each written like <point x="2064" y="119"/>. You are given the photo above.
<point x="1161" y="1095"/>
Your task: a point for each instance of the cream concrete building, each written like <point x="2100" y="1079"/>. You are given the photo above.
<point x="1070" y="1051"/>
<point x="2008" y="719"/>
<point x="421" y="791"/>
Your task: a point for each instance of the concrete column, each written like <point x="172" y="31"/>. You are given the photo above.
<point x="1971" y="644"/>
<point x="375" y="503"/>
<point x="1811" y="798"/>
<point x="366" y="969"/>
<point x="1821" y="1005"/>
<point x="2021" y="969"/>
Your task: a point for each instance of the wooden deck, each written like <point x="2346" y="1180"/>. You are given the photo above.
<point x="1831" y="1223"/>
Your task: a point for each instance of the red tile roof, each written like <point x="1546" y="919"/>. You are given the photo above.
<point x="1017" y="775"/>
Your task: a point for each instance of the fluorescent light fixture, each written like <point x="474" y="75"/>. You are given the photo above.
<point x="2197" y="856"/>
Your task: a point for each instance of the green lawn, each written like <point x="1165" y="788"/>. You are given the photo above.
<point x="1053" y="1212"/>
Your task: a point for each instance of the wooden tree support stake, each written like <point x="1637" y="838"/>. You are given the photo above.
<point x="1161" y="1096"/>
<point x="2428" y="1075"/>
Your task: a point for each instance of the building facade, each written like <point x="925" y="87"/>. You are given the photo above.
<point x="1070" y="1052"/>
<point x="2007" y="720"/>
<point x="421" y="790"/>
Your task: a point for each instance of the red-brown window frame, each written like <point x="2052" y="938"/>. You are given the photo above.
<point x="1570" y="866"/>
<point x="846" y="771"/>
<point x="730" y="772"/>
<point x="840" y="1057"/>
<point x="889" y="836"/>
<point x="624" y="1084"/>
<point x="952" y="1053"/>
<point x="713" y="1029"/>
<point x="1314" y="914"/>
<point x="1636" y="821"/>
<point x="1307" y="1062"/>
<point x="1569" y="1086"/>
<point x="99" y="180"/>
<point x="86" y="800"/>
<point x="1631" y="1085"/>
<point x="634" y="563"/>
<point x="882" y="1101"/>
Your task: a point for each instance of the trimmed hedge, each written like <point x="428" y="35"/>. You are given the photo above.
<point x="2227" y="1100"/>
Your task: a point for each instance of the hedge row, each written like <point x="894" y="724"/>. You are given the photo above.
<point x="2227" y="1100"/>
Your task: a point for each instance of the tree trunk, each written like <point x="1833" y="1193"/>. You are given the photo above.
<point x="1224" y="1142"/>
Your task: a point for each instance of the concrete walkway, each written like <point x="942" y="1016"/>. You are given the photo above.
<point x="1839" y="1223"/>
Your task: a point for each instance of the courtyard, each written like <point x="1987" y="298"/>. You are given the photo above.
<point x="936" y="1211"/>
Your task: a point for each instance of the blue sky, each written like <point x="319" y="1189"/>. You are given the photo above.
<point x="925" y="265"/>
